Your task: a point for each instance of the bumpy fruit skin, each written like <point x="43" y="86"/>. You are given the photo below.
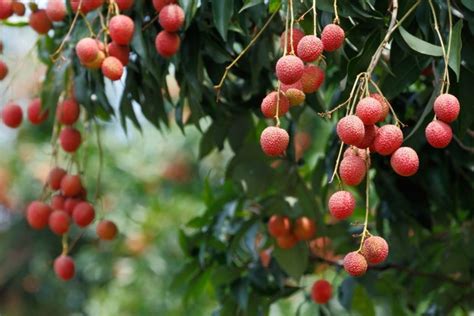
<point x="312" y="78"/>
<point x="269" y="105"/>
<point x="83" y="214"/>
<point x="332" y="37"/>
<point x="274" y="141"/>
<point x="12" y="115"/>
<point x="354" y="151"/>
<point x="120" y="52"/>
<point x="70" y="139"/>
<point x="6" y="9"/>
<point x="70" y="185"/>
<point x="121" y="29"/>
<point x="297" y="36"/>
<point x="446" y="108"/>
<point x="37" y="214"/>
<point x="3" y="70"/>
<point x="384" y="103"/>
<point x="289" y="69"/>
<point x="297" y="85"/>
<point x="321" y="291"/>
<point x="55" y="176"/>
<point x="355" y="264"/>
<point x="350" y="130"/>
<point x="375" y="250"/>
<point x="87" y="50"/>
<point x="352" y="170"/>
<point x="160" y="4"/>
<point x="56" y="10"/>
<point x="106" y="230"/>
<point x="310" y="48"/>
<point x="87" y="5"/>
<point x="304" y="229"/>
<point x="35" y="114"/>
<point x="171" y="18"/>
<point x="167" y="44"/>
<point x="59" y="222"/>
<point x="295" y="96"/>
<point x="40" y="22"/>
<point x="438" y="134"/>
<point x="124" y="4"/>
<point x="96" y="63"/>
<point x="278" y="226"/>
<point x="404" y="161"/>
<point x="112" y="68"/>
<point x="369" y="110"/>
<point x="64" y="267"/>
<point x="388" y="139"/>
<point x="286" y="241"/>
<point x="369" y="135"/>
<point x="341" y="204"/>
<point x="68" y="111"/>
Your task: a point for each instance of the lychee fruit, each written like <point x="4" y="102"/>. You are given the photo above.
<point x="269" y="105"/>
<point x="278" y="226"/>
<point x="384" y="103"/>
<point x="446" y="107"/>
<point x="404" y="161"/>
<point x="289" y="69"/>
<point x="70" y="204"/>
<point x="321" y="291"/>
<point x="96" y="63"/>
<point x="352" y="170"/>
<point x="388" y="139"/>
<point x="35" y="114"/>
<point x="112" y="68"/>
<point x="304" y="228"/>
<point x="86" y="5"/>
<point x="87" y="50"/>
<point x="341" y="204"/>
<point x="274" y="141"/>
<point x="40" y="22"/>
<point x="369" y="110"/>
<point x="167" y="44"/>
<point x="83" y="214"/>
<point x="310" y="48"/>
<point x="312" y="78"/>
<point x="120" y="52"/>
<point x="369" y="135"/>
<point x="6" y="9"/>
<point x="56" y="10"/>
<point x="286" y="241"/>
<point x="64" y="267"/>
<point x="297" y="85"/>
<point x="106" y="230"/>
<point x="121" y="28"/>
<point x="12" y="115"/>
<point x="3" y="70"/>
<point x="59" y="222"/>
<point x="332" y="37"/>
<point x="355" y="264"/>
<point x="295" y="96"/>
<point x="171" y="18"/>
<point x="70" y="139"/>
<point x="438" y="134"/>
<point x="71" y="185"/>
<point x="18" y="8"/>
<point x="375" y="249"/>
<point x="297" y="36"/>
<point x="55" y="176"/>
<point x="37" y="214"/>
<point x="160" y="4"/>
<point x="354" y="151"/>
<point x="57" y="202"/>
<point x="124" y="4"/>
<point x="68" y="111"/>
<point x="351" y="130"/>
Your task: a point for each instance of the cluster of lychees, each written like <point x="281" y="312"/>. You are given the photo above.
<point x="438" y="132"/>
<point x="288" y="235"/>
<point x="171" y="19"/>
<point x="295" y="79"/>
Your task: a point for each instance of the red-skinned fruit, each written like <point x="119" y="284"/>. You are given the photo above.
<point x="304" y="228"/>
<point x="279" y="226"/>
<point x="286" y="241"/>
<point x="295" y="96"/>
<point x="369" y="110"/>
<point x="167" y="44"/>
<point x="297" y="85"/>
<point x="321" y="291"/>
<point x="12" y="115"/>
<point x="18" y="8"/>
<point x="83" y="214"/>
<point x="59" y="222"/>
<point x="341" y="204"/>
<point x="332" y="37"/>
<point x="350" y="130"/>
<point x="37" y="214"/>
<point x="404" y="161"/>
<point x="71" y="185"/>
<point x="312" y="78"/>
<point x="384" y="103"/>
<point x="106" y="230"/>
<point x="120" y="52"/>
<point x="57" y="202"/>
<point x="438" y="134"/>
<point x="160" y="4"/>
<point x="388" y="139"/>
<point x="274" y="141"/>
<point x="86" y="6"/>
<point x="171" y="18"/>
<point x="3" y="70"/>
<point x="375" y="250"/>
<point x="310" y="48"/>
<point x="55" y="177"/>
<point x="87" y="50"/>
<point x="446" y="108"/>
<point x="297" y="36"/>
<point x="355" y="264"/>
<point x="121" y="29"/>
<point x="68" y="111"/>
<point x="6" y="9"/>
<point x="354" y="151"/>
<point x="369" y="135"/>
<point x="289" y="69"/>
<point x="112" y="68"/>
<point x="40" y="22"/>
<point x="96" y="63"/>
<point x="70" y="139"/>
<point x="124" y="4"/>
<point x="35" y="114"/>
<point x="70" y="204"/>
<point x="64" y="267"/>
<point x="269" y="105"/>
<point x="56" y="10"/>
<point x="352" y="170"/>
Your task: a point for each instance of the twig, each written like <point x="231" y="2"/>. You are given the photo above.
<point x="336" y="16"/>
<point x="445" y="56"/>
<point x="150" y="23"/>
<point x="460" y="143"/>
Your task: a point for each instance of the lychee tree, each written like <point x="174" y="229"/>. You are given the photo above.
<point x="348" y="124"/>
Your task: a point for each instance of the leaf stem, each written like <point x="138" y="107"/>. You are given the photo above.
<point x="440" y="37"/>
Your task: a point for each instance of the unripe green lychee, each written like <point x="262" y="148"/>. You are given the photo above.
<point x="369" y="110"/>
<point x="355" y="264"/>
<point x="438" y="134"/>
<point x="404" y="161"/>
<point x="87" y="50"/>
<point x="332" y="37"/>
<point x="289" y="69"/>
<point x="375" y="249"/>
<point x="384" y="103"/>
<point x="309" y="48"/>
<point x="40" y="22"/>
<point x="321" y="291"/>
<point x="112" y="68"/>
<point x="446" y="108"/>
<point x="297" y="36"/>
<point x="121" y="29"/>
<point x="388" y="139"/>
<point x="269" y="105"/>
<point x="341" y="204"/>
<point x="167" y="44"/>
<point x="312" y="78"/>
<point x="352" y="170"/>
<point x="350" y="130"/>
<point x="171" y="18"/>
<point x="369" y="135"/>
<point x="295" y="96"/>
<point x="274" y="141"/>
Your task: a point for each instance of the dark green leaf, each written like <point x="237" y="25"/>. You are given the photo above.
<point x="222" y="11"/>
<point x="419" y="45"/>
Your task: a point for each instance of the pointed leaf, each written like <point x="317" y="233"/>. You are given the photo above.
<point x="419" y="45"/>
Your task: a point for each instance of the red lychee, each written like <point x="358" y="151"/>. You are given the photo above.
<point x="352" y="170"/>
<point x="297" y="36"/>
<point x="124" y="4"/>
<point x="120" y="52"/>
<point x="375" y="249"/>
<point x="332" y="37"/>
<point x="321" y="291"/>
<point x="369" y="110"/>
<point x="404" y="161"/>
<point x="304" y="229"/>
<point x="274" y="141"/>
<point x="64" y="267"/>
<point x="56" y="10"/>
<point x="297" y="85"/>
<point x="289" y="69"/>
<point x="70" y="139"/>
<point x="171" y="18"/>
<point x="35" y="114"/>
<point x="351" y="130"/>
<point x="87" y="50"/>
<point x="160" y="4"/>
<point x="55" y="176"/>
<point x="446" y="108"/>
<point x="18" y="8"/>
<point x="312" y="78"/>
<point x="40" y="22"/>
<point x="57" y="202"/>
<point x="278" y="226"/>
<point x="438" y="134"/>
<point x="86" y="5"/>
<point x="341" y="204"/>
<point x="59" y="222"/>
<point x="369" y="135"/>
<point x="68" y="111"/>
<point x="286" y="241"/>
<point x="388" y="139"/>
<point x="384" y="103"/>
<point x="121" y="28"/>
<point x="83" y="214"/>
<point x="70" y="204"/>
<point x="12" y="115"/>
<point x="310" y="48"/>
<point x="269" y="105"/>
<point x="355" y="264"/>
<point x="354" y="151"/>
<point x="167" y="44"/>
<point x="96" y="63"/>
<point x="106" y="230"/>
<point x="6" y="9"/>
<point x="3" y="70"/>
<point x="37" y="214"/>
<point x="112" y="68"/>
<point x="70" y="185"/>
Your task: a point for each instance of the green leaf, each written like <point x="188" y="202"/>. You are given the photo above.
<point x="293" y="261"/>
<point x="468" y="4"/>
<point x="274" y="5"/>
<point x="222" y="12"/>
<point x="419" y="45"/>
<point x="362" y="303"/>
<point x="456" y="46"/>
<point x="249" y="4"/>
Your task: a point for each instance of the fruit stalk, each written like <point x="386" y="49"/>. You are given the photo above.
<point x="55" y="56"/>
